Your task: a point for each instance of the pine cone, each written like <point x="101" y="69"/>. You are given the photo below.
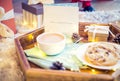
<point x="117" y="39"/>
<point x="75" y="37"/>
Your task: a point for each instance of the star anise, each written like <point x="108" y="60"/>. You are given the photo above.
<point x="57" y="66"/>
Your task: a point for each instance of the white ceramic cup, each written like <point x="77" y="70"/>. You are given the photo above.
<point x="51" y="43"/>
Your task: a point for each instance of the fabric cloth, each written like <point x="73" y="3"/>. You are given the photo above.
<point x="38" y="57"/>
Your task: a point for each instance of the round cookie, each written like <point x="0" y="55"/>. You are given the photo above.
<point x="101" y="54"/>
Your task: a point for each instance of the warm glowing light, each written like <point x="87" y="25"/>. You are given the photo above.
<point x="94" y="25"/>
<point x="94" y="71"/>
<point x="24" y="23"/>
<point x="34" y="23"/>
<point x="114" y="69"/>
<point x="31" y="37"/>
<point x="93" y="40"/>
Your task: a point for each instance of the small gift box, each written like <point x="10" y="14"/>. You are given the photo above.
<point x="7" y="15"/>
<point x="97" y="33"/>
<point x="32" y="15"/>
<point x="83" y="24"/>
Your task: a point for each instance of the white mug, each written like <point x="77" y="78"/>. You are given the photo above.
<point x="51" y="43"/>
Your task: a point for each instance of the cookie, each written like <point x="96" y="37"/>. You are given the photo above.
<point x="102" y="54"/>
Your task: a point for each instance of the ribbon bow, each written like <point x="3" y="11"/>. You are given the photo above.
<point x="95" y="28"/>
<point x="6" y="16"/>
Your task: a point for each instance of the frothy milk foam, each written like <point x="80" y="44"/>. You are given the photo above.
<point x="51" y="38"/>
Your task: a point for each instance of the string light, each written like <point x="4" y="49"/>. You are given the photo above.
<point x="30" y="37"/>
<point x="93" y="71"/>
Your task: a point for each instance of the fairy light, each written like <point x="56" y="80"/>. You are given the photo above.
<point x="24" y="23"/>
<point x="34" y="24"/>
<point x="95" y="25"/>
<point x="30" y="37"/>
<point x="93" y="40"/>
<point x="114" y="69"/>
<point x="93" y="71"/>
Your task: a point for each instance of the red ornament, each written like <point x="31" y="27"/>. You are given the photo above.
<point x="85" y="3"/>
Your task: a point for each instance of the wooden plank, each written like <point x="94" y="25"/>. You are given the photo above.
<point x="55" y="75"/>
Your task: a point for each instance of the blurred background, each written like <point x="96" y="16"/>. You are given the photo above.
<point x="97" y="4"/>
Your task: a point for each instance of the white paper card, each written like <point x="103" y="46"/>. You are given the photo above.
<point x="62" y="18"/>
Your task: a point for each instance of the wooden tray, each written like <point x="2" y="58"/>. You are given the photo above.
<point x="35" y="73"/>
